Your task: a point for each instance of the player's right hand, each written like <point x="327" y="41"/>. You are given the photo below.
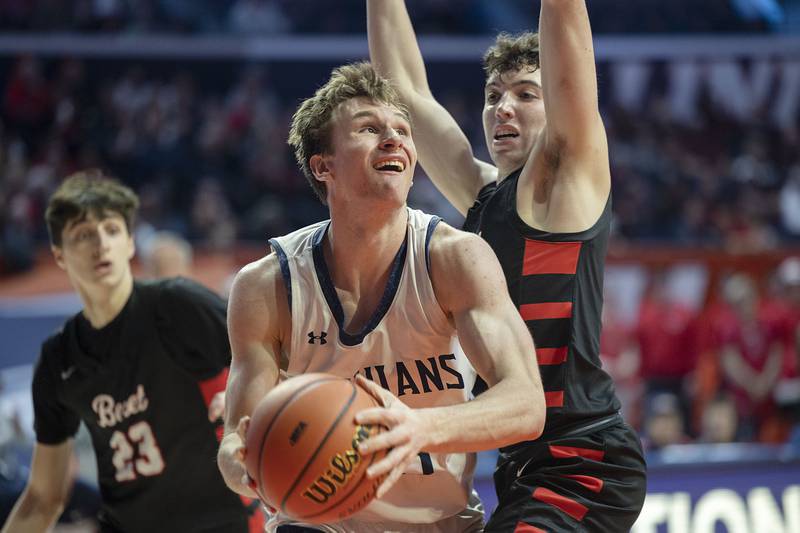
<point x="230" y="460"/>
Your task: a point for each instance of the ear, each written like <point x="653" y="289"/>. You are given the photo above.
<point x="320" y="167"/>
<point x="58" y="255"/>
<point x="131" y="247"/>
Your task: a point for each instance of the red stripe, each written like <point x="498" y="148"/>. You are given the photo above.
<point x="550" y="257"/>
<point x="211" y="386"/>
<point x="554" y="398"/>
<point x="564" y="452"/>
<point x="594" y="484"/>
<point x="568" y="505"/>
<point x="546" y="310"/>
<point x="527" y="528"/>
<point x="551" y="356"/>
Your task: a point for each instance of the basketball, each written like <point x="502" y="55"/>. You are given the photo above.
<point x="302" y="448"/>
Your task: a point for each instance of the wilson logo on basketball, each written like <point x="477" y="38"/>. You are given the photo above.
<point x="342" y="466"/>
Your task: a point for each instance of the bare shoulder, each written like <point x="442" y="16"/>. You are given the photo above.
<point x="450" y="247"/>
<point x="258" y="290"/>
<point x="464" y="269"/>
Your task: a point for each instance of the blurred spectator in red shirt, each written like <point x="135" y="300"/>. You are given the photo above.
<point x="27" y="100"/>
<point x="665" y="338"/>
<point x="749" y="340"/>
<point x="786" y="305"/>
<point x="621" y="359"/>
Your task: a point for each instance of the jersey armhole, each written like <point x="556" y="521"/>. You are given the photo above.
<point x="432" y="223"/>
<point x="285" y="272"/>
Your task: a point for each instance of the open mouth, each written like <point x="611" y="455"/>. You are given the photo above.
<point x="505" y="134"/>
<point x="390" y="165"/>
<point x="102" y="265"/>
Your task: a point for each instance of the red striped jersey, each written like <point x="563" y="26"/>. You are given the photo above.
<point x="556" y="282"/>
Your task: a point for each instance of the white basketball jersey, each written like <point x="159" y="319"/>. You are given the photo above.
<point x="408" y="346"/>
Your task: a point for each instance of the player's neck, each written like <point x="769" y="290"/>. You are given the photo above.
<point x="359" y="251"/>
<point x="102" y="304"/>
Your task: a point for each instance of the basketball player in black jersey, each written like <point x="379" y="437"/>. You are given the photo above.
<point x="138" y="366"/>
<point x="545" y="209"/>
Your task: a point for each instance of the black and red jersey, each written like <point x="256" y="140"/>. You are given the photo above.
<point x="556" y="282"/>
<point x="141" y="385"/>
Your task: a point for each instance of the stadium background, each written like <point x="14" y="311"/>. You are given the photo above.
<point x="189" y="103"/>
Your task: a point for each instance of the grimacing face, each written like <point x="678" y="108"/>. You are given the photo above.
<point x="372" y="153"/>
<point x="513" y="117"/>
<point x="96" y="250"/>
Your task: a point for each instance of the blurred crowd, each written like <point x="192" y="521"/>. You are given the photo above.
<point x="724" y="372"/>
<point x="205" y="147"/>
<point x="452" y="16"/>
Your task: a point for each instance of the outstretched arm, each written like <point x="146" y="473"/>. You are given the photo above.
<point x="576" y="148"/>
<point x="444" y="151"/>
<point x="257" y="310"/>
<point x="47" y="490"/>
<point x="470" y="287"/>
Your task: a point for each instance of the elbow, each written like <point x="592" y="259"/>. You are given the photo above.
<point x="535" y="416"/>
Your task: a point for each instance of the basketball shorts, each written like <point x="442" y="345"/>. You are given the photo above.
<point x="593" y="482"/>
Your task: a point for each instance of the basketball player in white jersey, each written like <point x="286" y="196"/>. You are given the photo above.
<point x="380" y="291"/>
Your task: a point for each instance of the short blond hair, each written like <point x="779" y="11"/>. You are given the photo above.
<point x="310" y="133"/>
<point x="512" y="53"/>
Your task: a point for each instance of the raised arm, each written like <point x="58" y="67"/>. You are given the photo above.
<point x="46" y="493"/>
<point x="576" y="146"/>
<point x="257" y="313"/>
<point x="444" y="151"/>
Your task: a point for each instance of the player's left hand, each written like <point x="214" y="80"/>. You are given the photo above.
<point x="405" y="438"/>
<point x="216" y="407"/>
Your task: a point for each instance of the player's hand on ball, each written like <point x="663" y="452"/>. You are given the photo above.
<point x="406" y="435"/>
<point x="231" y="461"/>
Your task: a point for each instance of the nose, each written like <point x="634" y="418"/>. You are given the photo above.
<point x="504" y="108"/>
<point x="391" y="140"/>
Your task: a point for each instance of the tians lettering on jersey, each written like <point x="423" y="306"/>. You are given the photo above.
<point x="408" y="347"/>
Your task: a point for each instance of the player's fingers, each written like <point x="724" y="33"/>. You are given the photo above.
<point x="378" y="416"/>
<point x="216" y="407"/>
<point x="397" y="456"/>
<point x="389" y="482"/>
<point x="241" y="427"/>
<point x="248" y="486"/>
<point x="379" y="393"/>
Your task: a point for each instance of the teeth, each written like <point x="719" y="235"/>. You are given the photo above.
<point x="392" y="165"/>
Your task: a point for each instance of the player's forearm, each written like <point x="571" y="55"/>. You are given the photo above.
<point x="393" y="47"/>
<point x="511" y="411"/>
<point x="32" y="514"/>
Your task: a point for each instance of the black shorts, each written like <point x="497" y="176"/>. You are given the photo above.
<point x="593" y="482"/>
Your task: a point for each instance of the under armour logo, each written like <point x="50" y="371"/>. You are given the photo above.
<point x="320" y="337"/>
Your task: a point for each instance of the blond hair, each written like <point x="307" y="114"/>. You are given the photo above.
<point x="310" y="132"/>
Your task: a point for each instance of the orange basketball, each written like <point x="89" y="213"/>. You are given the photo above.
<point x="302" y="448"/>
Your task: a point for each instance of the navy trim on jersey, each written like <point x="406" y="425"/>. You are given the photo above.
<point x="287" y="274"/>
<point x="434" y="221"/>
<point x="329" y="291"/>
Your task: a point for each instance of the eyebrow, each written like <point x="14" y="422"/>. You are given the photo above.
<point x="372" y="114"/>
<point x="516" y="83"/>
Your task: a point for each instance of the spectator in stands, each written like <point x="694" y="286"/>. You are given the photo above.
<point x="665" y="425"/>
<point x="719" y="423"/>
<point x="665" y="338"/>
<point x="751" y="355"/>
<point x="167" y="255"/>
<point x="258" y="17"/>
